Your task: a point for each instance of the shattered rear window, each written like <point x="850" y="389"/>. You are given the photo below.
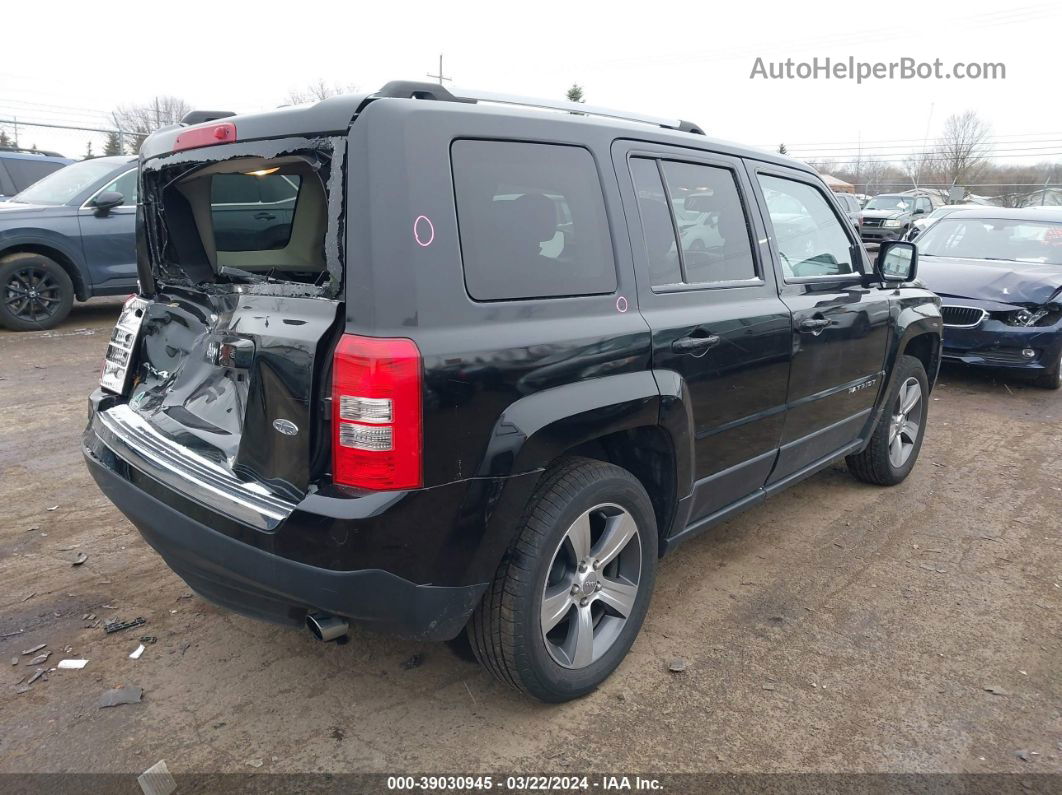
<point x="267" y="214"/>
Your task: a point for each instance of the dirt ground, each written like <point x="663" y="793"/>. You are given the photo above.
<point x="839" y="627"/>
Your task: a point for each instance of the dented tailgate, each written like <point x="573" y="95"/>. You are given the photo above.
<point x="233" y="377"/>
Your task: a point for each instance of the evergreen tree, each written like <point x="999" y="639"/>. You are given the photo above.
<point x="782" y="150"/>
<point x="575" y="93"/>
<point x="113" y="144"/>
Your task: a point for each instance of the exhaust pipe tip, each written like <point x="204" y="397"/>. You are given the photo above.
<point x="326" y="627"/>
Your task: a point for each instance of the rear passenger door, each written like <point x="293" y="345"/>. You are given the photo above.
<point x="707" y="290"/>
<point x="840" y="328"/>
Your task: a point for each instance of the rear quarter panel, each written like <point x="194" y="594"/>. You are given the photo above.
<point x="493" y="370"/>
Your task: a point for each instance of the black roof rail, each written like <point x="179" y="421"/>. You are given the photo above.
<point x="415" y="89"/>
<point x="24" y="150"/>
<point x="411" y="89"/>
<point x="200" y="116"/>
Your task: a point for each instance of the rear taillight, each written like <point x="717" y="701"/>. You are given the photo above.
<point x="376" y="413"/>
<point x="122" y="346"/>
<point x="224" y="133"/>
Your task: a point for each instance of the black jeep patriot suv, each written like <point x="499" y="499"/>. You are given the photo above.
<point x="492" y="361"/>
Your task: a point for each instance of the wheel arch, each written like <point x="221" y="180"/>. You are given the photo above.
<point x="61" y="258"/>
<point x="624" y="419"/>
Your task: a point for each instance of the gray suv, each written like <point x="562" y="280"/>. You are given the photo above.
<point x="890" y="216"/>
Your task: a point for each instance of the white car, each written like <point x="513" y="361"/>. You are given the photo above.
<point x="922" y="224"/>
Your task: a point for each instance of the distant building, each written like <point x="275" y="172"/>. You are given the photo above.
<point x="837" y="185"/>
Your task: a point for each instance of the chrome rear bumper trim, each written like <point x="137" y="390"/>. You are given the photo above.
<point x="132" y="438"/>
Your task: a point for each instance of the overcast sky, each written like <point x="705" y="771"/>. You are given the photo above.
<point x="64" y="63"/>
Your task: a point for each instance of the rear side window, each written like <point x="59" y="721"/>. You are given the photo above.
<point x="253" y="212"/>
<point x="532" y="221"/>
<point x="25" y="172"/>
<point x="694" y="223"/>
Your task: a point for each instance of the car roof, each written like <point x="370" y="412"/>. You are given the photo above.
<point x="1052" y="214"/>
<point x="335" y="115"/>
<point x="47" y="157"/>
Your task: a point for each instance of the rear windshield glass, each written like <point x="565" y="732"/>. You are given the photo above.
<point x="532" y="221"/>
<point x="246" y="213"/>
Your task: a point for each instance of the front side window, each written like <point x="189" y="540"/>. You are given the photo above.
<point x="532" y="221"/>
<point x="810" y="238"/>
<point x="125" y="185"/>
<point x="701" y="205"/>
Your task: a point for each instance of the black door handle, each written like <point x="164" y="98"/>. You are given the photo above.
<point x="695" y="345"/>
<point x="264" y="216"/>
<point x="814" y="325"/>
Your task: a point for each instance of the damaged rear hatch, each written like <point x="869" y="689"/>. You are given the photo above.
<point x="240" y="265"/>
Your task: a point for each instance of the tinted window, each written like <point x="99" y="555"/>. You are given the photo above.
<point x="26" y="172"/>
<point x="810" y="238"/>
<point x="701" y="203"/>
<point x="658" y="229"/>
<point x="532" y="221"/>
<point x="253" y="213"/>
<point x="711" y="223"/>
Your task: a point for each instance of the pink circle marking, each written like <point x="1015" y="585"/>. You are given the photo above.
<point x="416" y="231"/>
<point x="621" y="304"/>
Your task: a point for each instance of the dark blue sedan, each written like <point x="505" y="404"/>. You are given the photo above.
<point x="70" y="235"/>
<point x="999" y="274"/>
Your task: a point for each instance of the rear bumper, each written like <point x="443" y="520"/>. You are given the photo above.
<point x="263" y="585"/>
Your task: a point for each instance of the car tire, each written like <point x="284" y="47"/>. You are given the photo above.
<point x="897" y="439"/>
<point x="580" y="509"/>
<point x="35" y="292"/>
<point x="1052" y="378"/>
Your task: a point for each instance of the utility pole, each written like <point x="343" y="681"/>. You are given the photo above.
<point x="441" y="76"/>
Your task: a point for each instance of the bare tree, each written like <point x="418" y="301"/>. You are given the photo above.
<point x="962" y="152"/>
<point x="318" y="90"/>
<point x="139" y="121"/>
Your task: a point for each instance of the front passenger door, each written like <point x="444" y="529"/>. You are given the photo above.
<point x="840" y="328"/>
<point x="109" y="239"/>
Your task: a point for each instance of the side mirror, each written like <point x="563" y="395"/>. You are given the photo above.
<point x="919" y="211"/>
<point x="108" y="200"/>
<point x="897" y="261"/>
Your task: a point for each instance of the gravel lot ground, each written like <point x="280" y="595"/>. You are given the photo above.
<point x="839" y="627"/>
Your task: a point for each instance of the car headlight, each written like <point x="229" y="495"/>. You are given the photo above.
<point x="892" y="223"/>
<point x="1024" y="317"/>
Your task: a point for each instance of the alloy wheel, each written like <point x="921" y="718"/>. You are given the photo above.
<point x="904" y="427"/>
<point x="32" y="294"/>
<point x="591" y="586"/>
